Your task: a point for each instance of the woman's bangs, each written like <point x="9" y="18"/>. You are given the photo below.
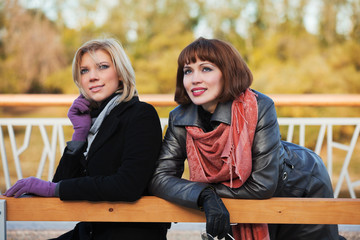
<point x="198" y="50"/>
<point x="187" y="56"/>
<point x="206" y="52"/>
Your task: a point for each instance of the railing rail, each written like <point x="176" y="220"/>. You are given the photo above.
<point x="315" y="100"/>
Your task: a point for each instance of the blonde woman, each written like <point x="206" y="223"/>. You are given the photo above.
<point x="114" y="146"/>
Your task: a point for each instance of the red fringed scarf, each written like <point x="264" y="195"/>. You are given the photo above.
<point x="224" y="155"/>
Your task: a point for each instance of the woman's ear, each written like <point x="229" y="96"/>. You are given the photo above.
<point x="121" y="84"/>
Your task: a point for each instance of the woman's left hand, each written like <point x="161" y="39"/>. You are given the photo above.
<point x="32" y="185"/>
<point x="217" y="216"/>
<point x="79" y="115"/>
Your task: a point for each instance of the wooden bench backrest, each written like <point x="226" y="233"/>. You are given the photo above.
<point x="153" y="209"/>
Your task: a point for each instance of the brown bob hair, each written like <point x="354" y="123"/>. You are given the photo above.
<point x="236" y="74"/>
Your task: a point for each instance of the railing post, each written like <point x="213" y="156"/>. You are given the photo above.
<point x="2" y="220"/>
<point x="344" y="170"/>
<point x="4" y="160"/>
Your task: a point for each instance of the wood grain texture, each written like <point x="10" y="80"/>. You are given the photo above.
<point x="153" y="209"/>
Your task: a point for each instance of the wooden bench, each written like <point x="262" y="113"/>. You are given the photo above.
<point x="154" y="209"/>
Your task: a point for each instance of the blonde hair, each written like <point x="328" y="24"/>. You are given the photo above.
<point x="120" y="60"/>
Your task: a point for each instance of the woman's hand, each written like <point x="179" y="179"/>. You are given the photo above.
<point x="217" y="216"/>
<point x="32" y="185"/>
<point x="79" y="115"/>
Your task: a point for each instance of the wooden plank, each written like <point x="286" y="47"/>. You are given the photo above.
<point x="314" y="100"/>
<point x="295" y="210"/>
<point x="147" y="209"/>
<point x="153" y="209"/>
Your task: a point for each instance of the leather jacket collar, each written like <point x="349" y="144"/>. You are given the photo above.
<point x="189" y="116"/>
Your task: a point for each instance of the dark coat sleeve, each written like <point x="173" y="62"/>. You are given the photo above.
<point x="167" y="182"/>
<point x="122" y="167"/>
<point x="69" y="165"/>
<point x="267" y="157"/>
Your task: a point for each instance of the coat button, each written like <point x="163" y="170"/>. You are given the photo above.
<point x="284" y="176"/>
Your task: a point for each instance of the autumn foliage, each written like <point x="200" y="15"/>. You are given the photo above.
<point x="303" y="46"/>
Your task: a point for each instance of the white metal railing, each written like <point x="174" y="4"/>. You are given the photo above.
<point x="57" y="139"/>
<point x="49" y="144"/>
<point x="326" y="125"/>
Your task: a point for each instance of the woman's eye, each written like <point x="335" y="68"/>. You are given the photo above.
<point x="187" y="71"/>
<point x="83" y="71"/>
<point x="103" y="66"/>
<point x="207" y="69"/>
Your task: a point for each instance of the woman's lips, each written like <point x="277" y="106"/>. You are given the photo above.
<point x="198" y="91"/>
<point x="96" y="88"/>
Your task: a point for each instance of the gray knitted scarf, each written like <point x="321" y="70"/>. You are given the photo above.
<point x="97" y="121"/>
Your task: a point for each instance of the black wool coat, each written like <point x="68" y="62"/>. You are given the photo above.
<point x="118" y="167"/>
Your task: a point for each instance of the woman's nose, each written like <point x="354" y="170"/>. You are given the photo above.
<point x="196" y="77"/>
<point x="94" y="75"/>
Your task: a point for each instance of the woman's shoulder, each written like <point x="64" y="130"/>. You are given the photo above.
<point x="266" y="107"/>
<point x="144" y="105"/>
<point x="144" y="108"/>
<point x="135" y="106"/>
<point x="184" y="112"/>
<point x="264" y="102"/>
<point x="137" y="103"/>
<point x="262" y="99"/>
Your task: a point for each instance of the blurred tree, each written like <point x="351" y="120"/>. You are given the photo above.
<point x="153" y="32"/>
<point x="355" y="20"/>
<point x="32" y="46"/>
<point x="274" y="37"/>
<point x="328" y="21"/>
<point x="61" y="81"/>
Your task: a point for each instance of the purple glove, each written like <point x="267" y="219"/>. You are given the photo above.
<point x="79" y="115"/>
<point x="32" y="185"/>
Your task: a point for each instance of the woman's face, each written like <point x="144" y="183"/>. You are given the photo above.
<point x="98" y="78"/>
<point x="203" y="83"/>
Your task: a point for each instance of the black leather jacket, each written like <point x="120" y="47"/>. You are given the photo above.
<point x="278" y="168"/>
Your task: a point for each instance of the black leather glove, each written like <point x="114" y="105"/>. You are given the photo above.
<point x="217" y="216"/>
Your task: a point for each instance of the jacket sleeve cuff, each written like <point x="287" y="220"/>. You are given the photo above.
<point x="200" y="199"/>
<point x="73" y="147"/>
<point x="57" y="189"/>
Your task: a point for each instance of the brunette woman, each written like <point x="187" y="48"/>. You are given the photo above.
<point x="230" y="136"/>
